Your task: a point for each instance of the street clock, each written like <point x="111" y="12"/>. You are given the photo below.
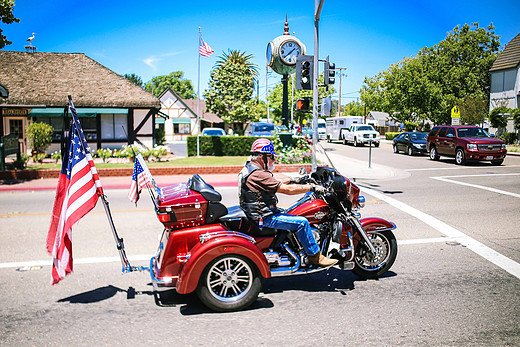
<point x="282" y="52"/>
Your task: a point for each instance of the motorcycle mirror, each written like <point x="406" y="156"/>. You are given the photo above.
<point x="302" y="171"/>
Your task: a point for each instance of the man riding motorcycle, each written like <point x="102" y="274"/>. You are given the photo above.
<point x="257" y="189"/>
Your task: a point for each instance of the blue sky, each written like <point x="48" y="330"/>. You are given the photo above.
<point x="152" y="38"/>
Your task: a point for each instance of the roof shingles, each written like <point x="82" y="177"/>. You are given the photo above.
<point x="47" y="78"/>
<point x="510" y="56"/>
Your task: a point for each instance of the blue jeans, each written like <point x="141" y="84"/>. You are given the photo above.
<point x="299" y="224"/>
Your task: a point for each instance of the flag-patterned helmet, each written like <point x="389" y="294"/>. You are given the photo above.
<point x="263" y="146"/>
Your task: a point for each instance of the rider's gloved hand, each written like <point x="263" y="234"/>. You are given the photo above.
<point x="315" y="188"/>
<point x="296" y="180"/>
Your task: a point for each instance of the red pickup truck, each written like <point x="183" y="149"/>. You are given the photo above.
<point x="465" y="142"/>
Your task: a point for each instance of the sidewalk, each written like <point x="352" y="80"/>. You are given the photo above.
<point x="351" y="168"/>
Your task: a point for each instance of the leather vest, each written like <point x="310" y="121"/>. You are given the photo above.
<point x="255" y="204"/>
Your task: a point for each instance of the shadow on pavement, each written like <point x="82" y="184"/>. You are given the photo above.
<point x="101" y="294"/>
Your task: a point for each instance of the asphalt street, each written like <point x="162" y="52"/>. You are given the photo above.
<point x="456" y="280"/>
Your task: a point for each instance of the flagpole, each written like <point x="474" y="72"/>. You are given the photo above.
<point x="198" y="97"/>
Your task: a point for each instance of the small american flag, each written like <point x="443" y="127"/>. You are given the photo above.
<point x="204" y="49"/>
<point x="76" y="194"/>
<point x="140" y="178"/>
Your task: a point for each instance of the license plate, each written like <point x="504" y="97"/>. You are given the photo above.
<point x="489" y="157"/>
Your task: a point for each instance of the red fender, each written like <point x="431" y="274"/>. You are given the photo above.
<point x="372" y="224"/>
<point x="202" y="254"/>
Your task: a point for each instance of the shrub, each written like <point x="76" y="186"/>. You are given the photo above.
<point x="56" y="156"/>
<point x="391" y="135"/>
<point x="221" y="145"/>
<point x="509" y="138"/>
<point x="40" y="135"/>
<point x="21" y="163"/>
<point x="160" y="138"/>
<point x="104" y="154"/>
<point x="38" y="157"/>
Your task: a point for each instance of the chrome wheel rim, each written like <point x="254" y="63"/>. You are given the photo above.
<point x="459" y="157"/>
<point x="370" y="262"/>
<point x="229" y="279"/>
<point x="432" y="153"/>
<point x="395" y="149"/>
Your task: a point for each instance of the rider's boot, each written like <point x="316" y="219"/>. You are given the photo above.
<point x="320" y="260"/>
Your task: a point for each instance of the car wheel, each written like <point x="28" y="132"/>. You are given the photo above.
<point x="376" y="144"/>
<point x="328" y="139"/>
<point x="355" y="142"/>
<point x="497" y="162"/>
<point x="433" y="153"/>
<point x="410" y="151"/>
<point x="345" y="140"/>
<point x="229" y="283"/>
<point x="460" y="158"/>
<point x="396" y="150"/>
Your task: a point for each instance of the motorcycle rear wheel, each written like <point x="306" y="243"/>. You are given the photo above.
<point x="229" y="283"/>
<point x="369" y="266"/>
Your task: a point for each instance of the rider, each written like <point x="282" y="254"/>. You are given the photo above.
<point x="258" y="200"/>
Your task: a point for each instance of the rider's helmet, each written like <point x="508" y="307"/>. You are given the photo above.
<point x="262" y="146"/>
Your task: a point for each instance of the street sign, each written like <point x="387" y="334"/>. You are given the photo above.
<point x="455" y="112"/>
<point x="455" y="121"/>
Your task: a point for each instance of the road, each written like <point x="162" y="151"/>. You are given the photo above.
<point x="455" y="281"/>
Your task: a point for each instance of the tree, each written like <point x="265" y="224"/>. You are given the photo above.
<point x="354" y="108"/>
<point x="428" y="85"/>
<point x="6" y="15"/>
<point x="239" y="58"/>
<point x="276" y="99"/>
<point x="229" y="93"/>
<point x="40" y="136"/>
<point x="473" y="110"/>
<point x="175" y="81"/>
<point x="134" y="79"/>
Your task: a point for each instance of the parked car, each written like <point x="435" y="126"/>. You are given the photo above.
<point x="213" y="132"/>
<point x="259" y="129"/>
<point x="410" y="143"/>
<point x="464" y="143"/>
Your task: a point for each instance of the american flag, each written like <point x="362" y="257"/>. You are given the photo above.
<point x="76" y="194"/>
<point x="204" y="49"/>
<point x="140" y="178"/>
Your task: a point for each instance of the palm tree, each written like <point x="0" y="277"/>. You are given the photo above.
<point x="240" y="58"/>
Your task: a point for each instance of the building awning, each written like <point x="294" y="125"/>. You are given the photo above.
<point x="82" y="112"/>
<point x="180" y="120"/>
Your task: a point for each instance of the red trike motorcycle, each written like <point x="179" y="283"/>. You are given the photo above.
<point x="220" y="254"/>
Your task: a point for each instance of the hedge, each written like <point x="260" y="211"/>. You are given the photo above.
<point x="221" y="145"/>
<point x="391" y="135"/>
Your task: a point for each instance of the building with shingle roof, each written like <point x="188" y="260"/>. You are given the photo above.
<point x="37" y="86"/>
<point x="182" y="116"/>
<point x="505" y="77"/>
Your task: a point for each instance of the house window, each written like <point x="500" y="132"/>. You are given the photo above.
<point x="113" y="126"/>
<point x="181" y="128"/>
<point x="502" y="81"/>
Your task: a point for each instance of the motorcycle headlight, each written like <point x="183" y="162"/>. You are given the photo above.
<point x="472" y="146"/>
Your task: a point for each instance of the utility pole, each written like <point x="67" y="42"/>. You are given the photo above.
<point x="318" y="5"/>
<point x="339" y="106"/>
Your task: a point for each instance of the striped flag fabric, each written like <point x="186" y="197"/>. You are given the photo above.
<point x="77" y="193"/>
<point x="140" y="178"/>
<point x="204" y="49"/>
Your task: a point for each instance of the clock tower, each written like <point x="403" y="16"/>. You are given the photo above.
<point x="281" y="56"/>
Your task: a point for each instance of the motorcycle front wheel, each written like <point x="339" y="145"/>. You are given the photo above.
<point x="229" y="283"/>
<point x="368" y="265"/>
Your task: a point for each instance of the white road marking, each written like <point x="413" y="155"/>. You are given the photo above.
<point x="445" y="179"/>
<point x="459" y="168"/>
<point x="479" y="248"/>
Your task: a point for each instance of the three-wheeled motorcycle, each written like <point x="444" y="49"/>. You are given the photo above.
<point x="217" y="252"/>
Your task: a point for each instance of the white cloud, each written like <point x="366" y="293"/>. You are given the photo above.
<point x="152" y="61"/>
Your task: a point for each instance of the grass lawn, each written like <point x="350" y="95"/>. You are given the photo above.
<point x="190" y="161"/>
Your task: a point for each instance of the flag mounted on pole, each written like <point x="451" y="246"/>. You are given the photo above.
<point x="140" y="178"/>
<point x="77" y="193"/>
<point x="204" y="49"/>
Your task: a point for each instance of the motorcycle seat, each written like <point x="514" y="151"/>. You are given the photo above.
<point x="205" y="189"/>
<point x="237" y="220"/>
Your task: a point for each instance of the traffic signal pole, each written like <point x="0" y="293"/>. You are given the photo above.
<point x="318" y="4"/>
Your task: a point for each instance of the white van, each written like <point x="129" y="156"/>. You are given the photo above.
<point x="322" y="129"/>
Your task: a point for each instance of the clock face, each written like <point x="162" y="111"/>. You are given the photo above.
<point x="289" y="50"/>
<point x="269" y="54"/>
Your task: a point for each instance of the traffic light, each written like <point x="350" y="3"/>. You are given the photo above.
<point x="329" y="72"/>
<point x="304" y="72"/>
<point x="303" y="104"/>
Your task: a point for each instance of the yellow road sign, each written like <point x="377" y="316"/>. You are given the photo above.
<point x="455" y="112"/>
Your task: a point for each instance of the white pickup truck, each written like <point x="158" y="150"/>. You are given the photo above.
<point x="359" y="134"/>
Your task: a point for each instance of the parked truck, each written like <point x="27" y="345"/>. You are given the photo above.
<point x="360" y="134"/>
<point x="336" y="126"/>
